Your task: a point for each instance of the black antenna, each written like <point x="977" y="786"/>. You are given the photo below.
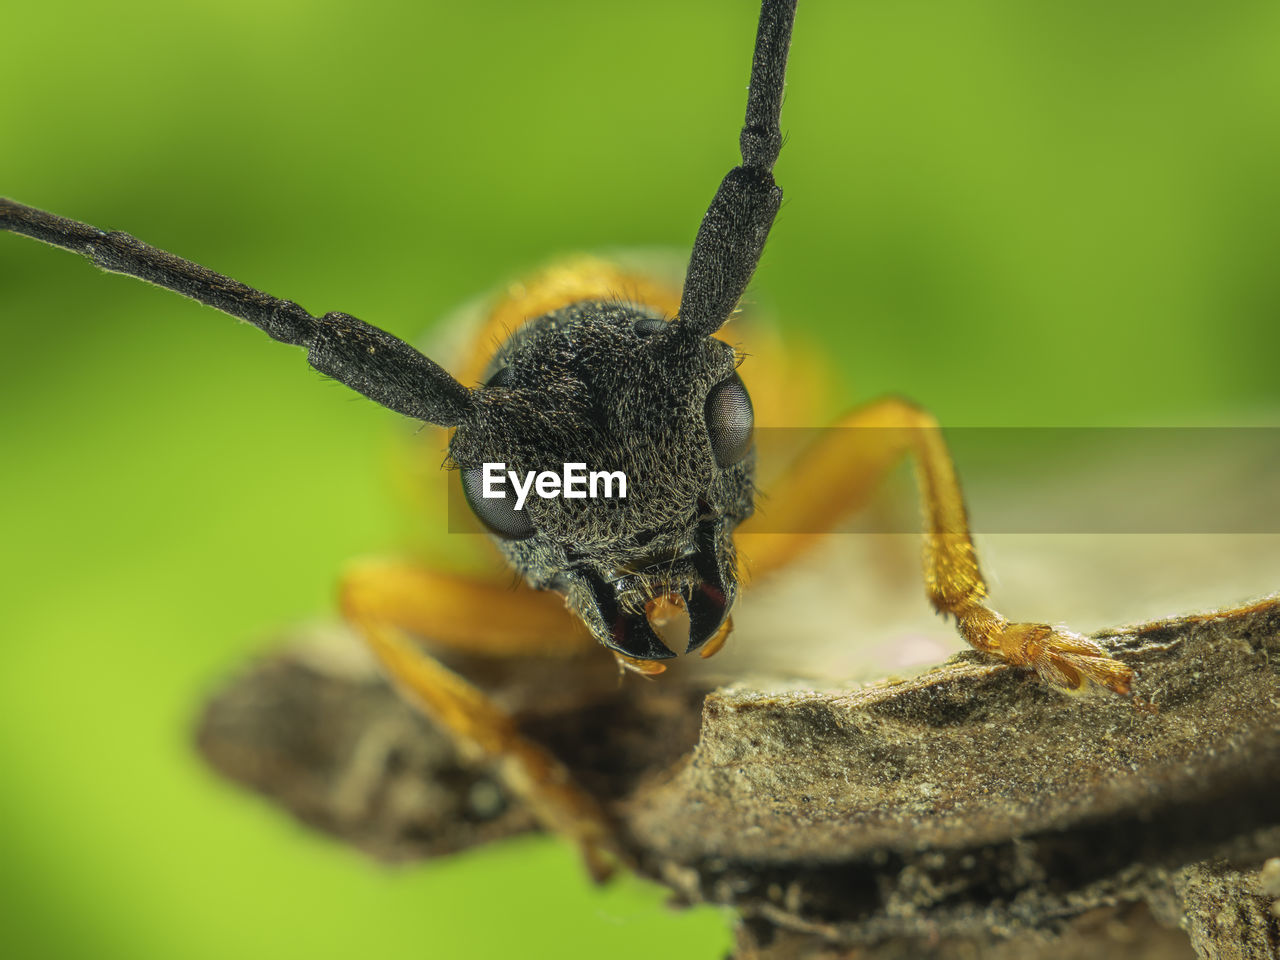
<point x="382" y="367"/>
<point x="734" y="229"/>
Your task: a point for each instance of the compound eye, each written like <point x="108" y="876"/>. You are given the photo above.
<point x="499" y="514"/>
<point x="729" y="421"/>
<point x="500" y="378"/>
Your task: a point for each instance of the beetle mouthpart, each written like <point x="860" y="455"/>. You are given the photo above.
<point x="663" y="610"/>
<point x="708" y="606"/>
<point x="709" y="600"/>
<point x="667" y="616"/>
<point x="625" y="633"/>
<point x="633" y="637"/>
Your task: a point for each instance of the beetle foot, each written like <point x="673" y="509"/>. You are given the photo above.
<point x="1064" y="659"/>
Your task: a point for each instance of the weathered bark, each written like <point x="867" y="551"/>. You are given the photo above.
<point x="967" y="812"/>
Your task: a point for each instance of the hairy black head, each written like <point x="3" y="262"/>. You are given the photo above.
<point x="613" y="387"/>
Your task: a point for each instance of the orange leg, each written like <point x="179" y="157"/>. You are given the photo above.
<point x="839" y="474"/>
<point x="386" y="602"/>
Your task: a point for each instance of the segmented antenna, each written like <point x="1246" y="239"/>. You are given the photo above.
<point x="382" y="367"/>
<point x="734" y="229"/>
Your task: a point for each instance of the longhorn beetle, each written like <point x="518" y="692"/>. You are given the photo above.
<point x="615" y="370"/>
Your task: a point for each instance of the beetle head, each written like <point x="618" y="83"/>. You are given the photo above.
<point x="613" y="387"/>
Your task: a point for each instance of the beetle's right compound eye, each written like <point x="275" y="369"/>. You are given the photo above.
<point x="499" y="514"/>
<point x="730" y="420"/>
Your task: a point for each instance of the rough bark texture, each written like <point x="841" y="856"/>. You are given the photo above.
<point x="967" y="812"/>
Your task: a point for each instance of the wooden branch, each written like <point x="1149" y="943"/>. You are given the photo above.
<point x="967" y="811"/>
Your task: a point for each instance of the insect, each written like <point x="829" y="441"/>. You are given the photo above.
<point x="801" y="200"/>
<point x="603" y="367"/>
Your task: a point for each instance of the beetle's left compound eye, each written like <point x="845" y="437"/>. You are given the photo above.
<point x="499" y="514"/>
<point x="729" y="421"/>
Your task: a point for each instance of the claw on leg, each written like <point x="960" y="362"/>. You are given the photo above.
<point x="1062" y="658"/>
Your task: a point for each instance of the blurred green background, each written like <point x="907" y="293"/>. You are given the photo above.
<point x="1015" y="213"/>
